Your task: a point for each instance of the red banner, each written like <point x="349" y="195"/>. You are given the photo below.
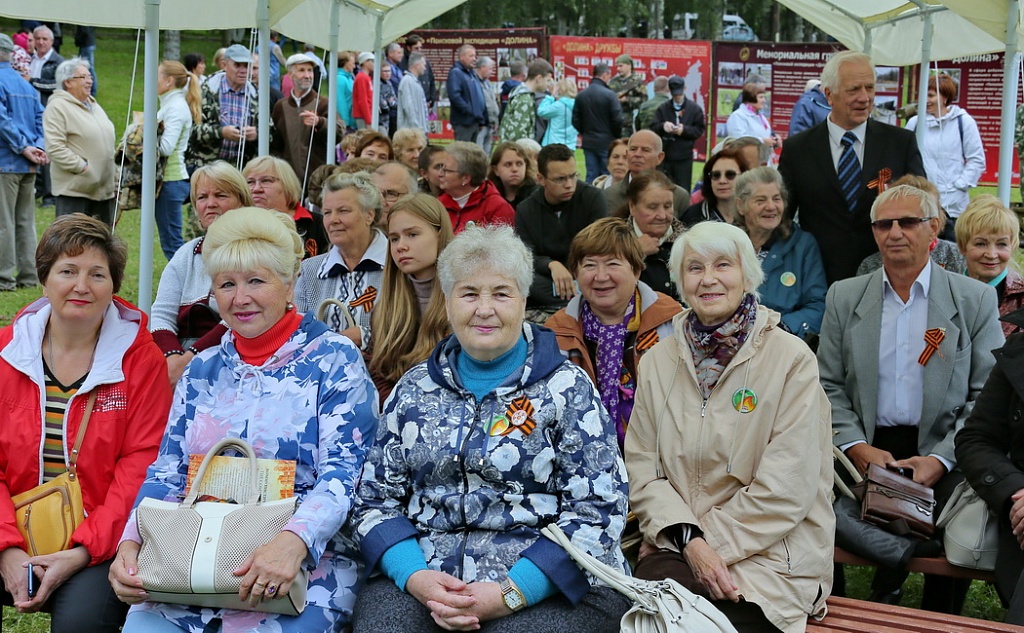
<point x="575" y="57"/>
<point x="502" y="45"/>
<point x="980" y="78"/>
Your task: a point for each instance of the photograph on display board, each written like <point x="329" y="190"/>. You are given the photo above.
<point x="730" y="73"/>
<point x="887" y="79"/>
<point x="885" y="109"/>
<point x="764" y="70"/>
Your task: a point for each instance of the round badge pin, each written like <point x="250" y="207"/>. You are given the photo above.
<point x="787" y="279"/>
<point x="519" y="418"/>
<point x="744" y="400"/>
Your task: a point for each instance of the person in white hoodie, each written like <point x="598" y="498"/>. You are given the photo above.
<point x="180" y="109"/>
<point x="954" y="157"/>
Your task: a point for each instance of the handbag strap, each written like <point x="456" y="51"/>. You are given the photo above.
<point x="614" y="579"/>
<point x="73" y="466"/>
<point x="842" y="459"/>
<point x="242" y="447"/>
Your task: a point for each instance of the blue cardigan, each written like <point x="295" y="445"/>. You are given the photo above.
<point x="794" y="282"/>
<point x="559" y="113"/>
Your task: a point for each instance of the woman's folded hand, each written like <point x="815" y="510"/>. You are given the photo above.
<point x="710" y="570"/>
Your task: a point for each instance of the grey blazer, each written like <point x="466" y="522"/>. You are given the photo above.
<point x="953" y="377"/>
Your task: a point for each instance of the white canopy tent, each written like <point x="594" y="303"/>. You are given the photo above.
<point x="902" y="32"/>
<point x="284" y="15"/>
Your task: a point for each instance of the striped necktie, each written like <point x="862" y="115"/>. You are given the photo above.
<point x="849" y="171"/>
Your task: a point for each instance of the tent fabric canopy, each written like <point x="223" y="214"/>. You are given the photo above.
<point x="893" y="30"/>
<point x="309" y="20"/>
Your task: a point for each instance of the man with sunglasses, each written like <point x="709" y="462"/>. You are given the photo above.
<point x="903" y="353"/>
<point x="836" y="169"/>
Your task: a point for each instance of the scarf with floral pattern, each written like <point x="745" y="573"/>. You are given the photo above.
<point x="614" y="380"/>
<point x="714" y="346"/>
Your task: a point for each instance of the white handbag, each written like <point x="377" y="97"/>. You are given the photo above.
<point x="971" y="537"/>
<point x="659" y="606"/>
<point x="189" y="549"/>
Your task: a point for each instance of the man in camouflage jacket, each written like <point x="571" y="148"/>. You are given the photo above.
<point x="520" y="120"/>
<point x="629" y="88"/>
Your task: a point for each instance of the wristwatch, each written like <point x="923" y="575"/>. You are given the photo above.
<point x="511" y="596"/>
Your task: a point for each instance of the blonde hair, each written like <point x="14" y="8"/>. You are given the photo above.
<point x="566" y="88"/>
<point x="223" y="176"/>
<point x="283" y="171"/>
<point x="187" y="81"/>
<point x="986" y="215"/>
<point x="402" y="335"/>
<point x="250" y="238"/>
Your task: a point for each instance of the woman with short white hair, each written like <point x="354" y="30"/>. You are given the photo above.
<point x="729" y="447"/>
<point x="80" y="144"/>
<point x="493" y="437"/>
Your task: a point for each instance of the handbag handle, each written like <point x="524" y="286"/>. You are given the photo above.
<point x="321" y="312"/>
<point x="73" y="461"/>
<point x="614" y="579"/>
<point x="842" y="459"/>
<point x="242" y="447"/>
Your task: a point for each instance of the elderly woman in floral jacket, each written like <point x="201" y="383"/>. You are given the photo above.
<point x="481" y="446"/>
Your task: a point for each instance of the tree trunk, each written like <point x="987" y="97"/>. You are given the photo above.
<point x="656" y="23"/>
<point x="172" y="45"/>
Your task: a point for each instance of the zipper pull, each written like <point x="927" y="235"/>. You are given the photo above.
<point x="703" y="408"/>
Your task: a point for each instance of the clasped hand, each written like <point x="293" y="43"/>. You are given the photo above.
<point x="455" y="605"/>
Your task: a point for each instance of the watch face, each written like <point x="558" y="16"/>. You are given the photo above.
<point x="512" y="599"/>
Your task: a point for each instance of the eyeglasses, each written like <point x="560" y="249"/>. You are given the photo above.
<point x="264" y="181"/>
<point x="562" y="180"/>
<point x="905" y="223"/>
<point x="729" y="174"/>
<point x="445" y="170"/>
<point x="81" y="76"/>
<point x="391" y="194"/>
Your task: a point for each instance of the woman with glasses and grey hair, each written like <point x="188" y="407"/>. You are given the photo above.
<point x="465" y="191"/>
<point x="80" y="144"/>
<point x="498" y="406"/>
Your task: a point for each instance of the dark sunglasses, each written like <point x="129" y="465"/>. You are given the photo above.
<point x="905" y="223"/>
<point x="729" y="175"/>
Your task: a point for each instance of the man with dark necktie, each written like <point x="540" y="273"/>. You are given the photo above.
<point x="836" y="169"/>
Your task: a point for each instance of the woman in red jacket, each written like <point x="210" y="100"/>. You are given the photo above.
<point x="467" y="194"/>
<point x="77" y="339"/>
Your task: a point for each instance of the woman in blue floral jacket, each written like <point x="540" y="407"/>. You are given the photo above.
<point x="295" y="391"/>
<point x="492" y="438"/>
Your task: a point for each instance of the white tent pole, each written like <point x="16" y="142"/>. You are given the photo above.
<point x="149" y="141"/>
<point x="332" y="83"/>
<point x="381" y="59"/>
<point x="1010" y="79"/>
<point x="922" y="89"/>
<point x="263" y="24"/>
<point x="868" y="36"/>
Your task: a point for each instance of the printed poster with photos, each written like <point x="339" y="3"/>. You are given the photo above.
<point x="787" y="67"/>
<point x="575" y="57"/>
<point x="502" y="45"/>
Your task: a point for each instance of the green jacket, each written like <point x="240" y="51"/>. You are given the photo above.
<point x="645" y="115"/>
<point x="635" y="93"/>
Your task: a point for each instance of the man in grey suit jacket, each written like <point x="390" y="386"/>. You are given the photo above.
<point x="893" y="403"/>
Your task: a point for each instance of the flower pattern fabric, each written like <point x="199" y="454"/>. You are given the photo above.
<point x="312" y="402"/>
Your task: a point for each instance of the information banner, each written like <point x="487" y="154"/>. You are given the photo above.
<point x="575" y="57"/>
<point x="502" y="45"/>
<point x="787" y="67"/>
<point x="980" y="78"/>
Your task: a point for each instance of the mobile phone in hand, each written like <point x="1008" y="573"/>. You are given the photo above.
<point x="31" y="582"/>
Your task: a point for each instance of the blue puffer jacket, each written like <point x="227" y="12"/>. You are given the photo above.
<point x="21" y="121"/>
<point x="794" y="282"/>
<point x="559" y="114"/>
<point x="475" y="482"/>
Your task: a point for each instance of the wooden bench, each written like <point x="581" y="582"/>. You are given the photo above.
<point x="856" y="616"/>
<point x="938" y="566"/>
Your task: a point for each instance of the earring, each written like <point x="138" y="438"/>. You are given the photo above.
<point x="289" y="306"/>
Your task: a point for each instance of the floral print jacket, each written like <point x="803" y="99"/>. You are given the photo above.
<point x="312" y="402"/>
<point x="476" y="481"/>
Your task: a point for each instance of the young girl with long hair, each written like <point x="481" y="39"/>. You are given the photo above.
<point x="410" y="319"/>
<point x="180" y="109"/>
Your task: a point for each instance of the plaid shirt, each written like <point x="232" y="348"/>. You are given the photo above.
<point x="233" y="111"/>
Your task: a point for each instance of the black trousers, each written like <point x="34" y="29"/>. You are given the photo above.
<point x="679" y="172"/>
<point x="941" y="594"/>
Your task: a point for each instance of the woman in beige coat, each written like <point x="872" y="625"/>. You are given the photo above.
<point x="729" y="447"/>
<point x="80" y="144"/>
